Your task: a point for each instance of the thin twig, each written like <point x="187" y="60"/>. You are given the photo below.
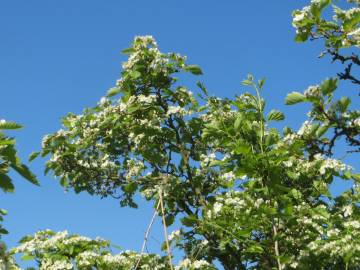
<point x="147" y="234"/>
<point x="277" y="253"/>
<point x="165" y="229"/>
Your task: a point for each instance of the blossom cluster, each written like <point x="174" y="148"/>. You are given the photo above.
<point x="131" y="126"/>
<point x="188" y="264"/>
<point x="308" y="22"/>
<point x="60" y="251"/>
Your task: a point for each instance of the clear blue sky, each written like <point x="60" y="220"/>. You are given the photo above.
<point x="61" y="56"/>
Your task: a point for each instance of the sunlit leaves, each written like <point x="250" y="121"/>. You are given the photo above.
<point x="69" y="251"/>
<point x="24" y="171"/>
<point x="249" y="80"/>
<point x="9" y="125"/>
<point x="5" y="183"/>
<point x="194" y="69"/>
<point x="275" y="115"/>
<point x="294" y="97"/>
<point x="328" y="86"/>
<point x="113" y="91"/>
<point x="33" y="155"/>
<point x="10" y="160"/>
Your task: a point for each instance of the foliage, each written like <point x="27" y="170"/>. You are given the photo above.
<point x="341" y="35"/>
<point x="247" y="196"/>
<point x="9" y="160"/>
<point x="59" y="251"/>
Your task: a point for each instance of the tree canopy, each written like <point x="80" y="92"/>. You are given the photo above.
<point x="244" y="194"/>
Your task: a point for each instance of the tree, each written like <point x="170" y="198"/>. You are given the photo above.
<point x="247" y="195"/>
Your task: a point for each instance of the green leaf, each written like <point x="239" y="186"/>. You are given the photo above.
<point x="9" y="125"/>
<point x="347" y="174"/>
<point x="169" y="220"/>
<point x="7" y="142"/>
<point x="315" y="11"/>
<point x="318" y="6"/>
<point x="275" y="115"/>
<point x="271" y="138"/>
<point x="261" y="83"/>
<point x="344" y="103"/>
<point x="3" y="231"/>
<point x="321" y="131"/>
<point x="255" y="249"/>
<point x="24" y="171"/>
<point x="113" y="91"/>
<point x="287" y="130"/>
<point x="321" y="187"/>
<point x="117" y="247"/>
<point x="289" y="209"/>
<point x="25" y="239"/>
<point x="249" y="80"/>
<point x="328" y="86"/>
<point x="128" y="51"/>
<point x="33" y="155"/>
<point x="313" y="129"/>
<point x="281" y="188"/>
<point x="321" y="211"/>
<point x="296" y="194"/>
<point x="237" y="123"/>
<point x="356" y="177"/>
<point x="63" y="182"/>
<point x="246" y="82"/>
<point x="351" y="21"/>
<point x="244" y="233"/>
<point x="47" y="169"/>
<point x="202" y="87"/>
<point x="194" y="69"/>
<point x="133" y="108"/>
<point x="27" y="257"/>
<point x="130" y="187"/>
<point x="242" y="148"/>
<point x="302" y="36"/>
<point x="294" y="97"/>
<point x="6" y="184"/>
<point x="9" y="154"/>
<point x="324" y="3"/>
<point x="189" y="221"/>
<point x="135" y="74"/>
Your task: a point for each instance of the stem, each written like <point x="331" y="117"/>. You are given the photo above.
<point x="262" y="133"/>
<point x="261" y="117"/>
<point x="147" y="234"/>
<point x="165" y="230"/>
<point x="276" y="245"/>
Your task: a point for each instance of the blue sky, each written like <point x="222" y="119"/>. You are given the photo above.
<point x="62" y="56"/>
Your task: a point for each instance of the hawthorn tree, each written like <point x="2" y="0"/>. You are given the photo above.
<point x="247" y="196"/>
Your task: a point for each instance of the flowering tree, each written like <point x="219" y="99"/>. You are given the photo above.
<point x="247" y="196"/>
